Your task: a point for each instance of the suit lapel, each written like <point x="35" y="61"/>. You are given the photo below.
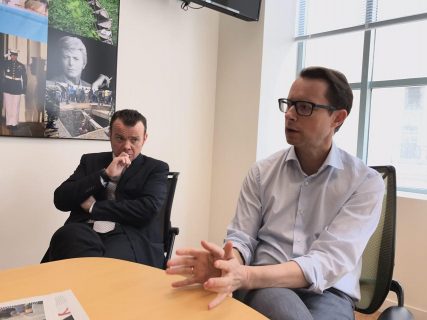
<point x="102" y="161"/>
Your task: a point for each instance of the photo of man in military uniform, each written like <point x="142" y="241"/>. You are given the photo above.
<point x="13" y="84"/>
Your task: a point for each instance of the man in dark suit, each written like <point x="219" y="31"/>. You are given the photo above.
<point x="114" y="198"/>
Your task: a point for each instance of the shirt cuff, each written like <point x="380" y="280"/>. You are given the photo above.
<point x="91" y="207"/>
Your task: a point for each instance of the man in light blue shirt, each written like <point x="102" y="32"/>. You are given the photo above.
<point x="303" y="218"/>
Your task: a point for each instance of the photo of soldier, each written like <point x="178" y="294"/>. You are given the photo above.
<point x="83" y="72"/>
<point x="22" y="86"/>
<point x="14" y="84"/>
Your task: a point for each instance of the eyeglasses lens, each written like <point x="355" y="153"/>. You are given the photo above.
<point x="303" y="108"/>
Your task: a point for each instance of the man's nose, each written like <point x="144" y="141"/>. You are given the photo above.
<point x="291" y="113"/>
<point x="127" y="145"/>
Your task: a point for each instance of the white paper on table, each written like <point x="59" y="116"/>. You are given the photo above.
<point x="55" y="306"/>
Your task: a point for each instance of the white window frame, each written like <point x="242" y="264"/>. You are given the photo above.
<point x="366" y="85"/>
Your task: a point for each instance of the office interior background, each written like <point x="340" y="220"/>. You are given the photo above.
<point x="208" y="84"/>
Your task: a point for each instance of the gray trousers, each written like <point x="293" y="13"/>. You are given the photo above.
<point x="298" y="304"/>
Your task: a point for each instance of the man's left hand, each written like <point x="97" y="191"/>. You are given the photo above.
<point x="233" y="276"/>
<point x="216" y="268"/>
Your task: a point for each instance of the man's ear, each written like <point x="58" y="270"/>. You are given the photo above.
<point x="340" y="116"/>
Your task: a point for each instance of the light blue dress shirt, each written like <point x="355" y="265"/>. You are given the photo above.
<point x="322" y="221"/>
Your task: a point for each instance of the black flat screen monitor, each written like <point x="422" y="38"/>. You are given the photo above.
<point x="242" y="9"/>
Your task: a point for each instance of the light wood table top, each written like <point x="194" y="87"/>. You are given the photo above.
<point x="116" y="289"/>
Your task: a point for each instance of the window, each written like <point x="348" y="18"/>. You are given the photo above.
<point x="381" y="47"/>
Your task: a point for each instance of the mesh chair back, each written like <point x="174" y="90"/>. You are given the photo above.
<point x="378" y="257"/>
<point x="165" y="214"/>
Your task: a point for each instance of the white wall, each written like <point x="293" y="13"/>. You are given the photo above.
<point x="166" y="70"/>
<point x="236" y="116"/>
<point x="168" y="60"/>
<point x="411" y="255"/>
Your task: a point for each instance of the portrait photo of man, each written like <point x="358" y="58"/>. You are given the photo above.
<point x="73" y="60"/>
<point x="80" y="87"/>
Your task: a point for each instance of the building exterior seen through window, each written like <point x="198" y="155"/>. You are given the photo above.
<point x="379" y="46"/>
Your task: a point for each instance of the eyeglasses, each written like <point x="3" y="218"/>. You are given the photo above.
<point x="303" y="108"/>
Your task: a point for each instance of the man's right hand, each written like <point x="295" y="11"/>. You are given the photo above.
<point x="116" y="167"/>
<point x="101" y="81"/>
<point x="218" y="269"/>
<point x="197" y="265"/>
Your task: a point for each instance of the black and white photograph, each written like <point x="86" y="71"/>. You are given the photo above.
<point x="80" y="87"/>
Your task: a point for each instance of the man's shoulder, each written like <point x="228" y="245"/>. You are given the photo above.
<point x="57" y="78"/>
<point x="63" y="80"/>
<point x="350" y="161"/>
<point x="277" y="157"/>
<point x="97" y="155"/>
<point x="355" y="167"/>
<point x="269" y="166"/>
<point x="85" y="83"/>
<point x="154" y="162"/>
<point x="19" y="63"/>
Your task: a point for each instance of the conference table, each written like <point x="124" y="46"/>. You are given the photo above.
<point x="116" y="289"/>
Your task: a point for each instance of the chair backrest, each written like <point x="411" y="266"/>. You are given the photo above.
<point x="168" y="232"/>
<point x="378" y="257"/>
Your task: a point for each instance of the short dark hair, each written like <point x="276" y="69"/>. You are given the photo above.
<point x="129" y="118"/>
<point x="339" y="92"/>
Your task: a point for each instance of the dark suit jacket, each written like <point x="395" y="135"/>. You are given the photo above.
<point x="140" y="194"/>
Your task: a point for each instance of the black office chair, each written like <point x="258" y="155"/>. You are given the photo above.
<point x="169" y="232"/>
<point x="376" y="279"/>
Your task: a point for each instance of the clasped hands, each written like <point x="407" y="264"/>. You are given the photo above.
<point x="216" y="268"/>
<point x="114" y="171"/>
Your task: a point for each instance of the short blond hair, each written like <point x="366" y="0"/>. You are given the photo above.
<point x="73" y="43"/>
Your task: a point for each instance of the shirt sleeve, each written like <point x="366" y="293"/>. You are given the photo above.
<point x="339" y="248"/>
<point x="244" y="227"/>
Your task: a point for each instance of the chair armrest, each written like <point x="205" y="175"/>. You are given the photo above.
<point x="173" y="232"/>
<point x="397" y="288"/>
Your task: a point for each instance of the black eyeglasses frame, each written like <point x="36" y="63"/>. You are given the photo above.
<point x="284" y="101"/>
